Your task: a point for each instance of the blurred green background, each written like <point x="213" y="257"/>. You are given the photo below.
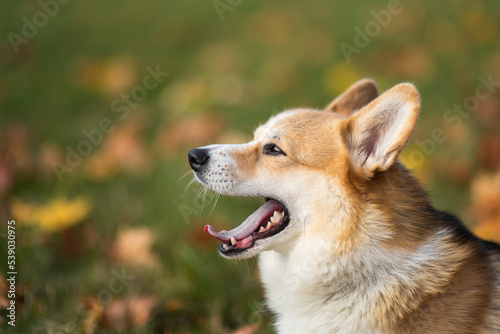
<point x="93" y="146"/>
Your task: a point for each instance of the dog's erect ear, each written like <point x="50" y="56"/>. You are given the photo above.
<point x="355" y="97"/>
<point x="377" y="133"/>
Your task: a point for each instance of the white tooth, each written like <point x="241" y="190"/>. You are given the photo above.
<point x="233" y="241"/>
<point x="273" y="219"/>
<point x="281" y="215"/>
<point x="225" y="246"/>
<point x="262" y="229"/>
<point x="276" y="214"/>
<point x="269" y="224"/>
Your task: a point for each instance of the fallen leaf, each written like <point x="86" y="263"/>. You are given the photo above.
<point x="114" y="315"/>
<point x="174" y="305"/>
<point x="128" y="313"/>
<point x="54" y="216"/>
<point x="122" y="149"/>
<point x="247" y="329"/>
<point x="93" y="312"/>
<point x="112" y="76"/>
<point x="485" y="205"/>
<point x="139" y="310"/>
<point x="485" y="196"/>
<point x="133" y="246"/>
<point x="489" y="230"/>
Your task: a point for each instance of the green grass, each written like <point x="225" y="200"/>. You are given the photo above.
<point x="263" y="58"/>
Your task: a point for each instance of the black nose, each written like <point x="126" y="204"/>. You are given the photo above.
<point x="197" y="158"/>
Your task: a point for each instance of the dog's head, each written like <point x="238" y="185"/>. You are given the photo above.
<point x="304" y="163"/>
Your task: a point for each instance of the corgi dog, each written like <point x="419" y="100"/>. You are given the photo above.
<point x="348" y="241"/>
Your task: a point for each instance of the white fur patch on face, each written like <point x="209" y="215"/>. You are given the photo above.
<point x="218" y="174"/>
<point x="269" y="130"/>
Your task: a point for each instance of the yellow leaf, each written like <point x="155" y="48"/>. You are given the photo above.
<point x="54" y="216"/>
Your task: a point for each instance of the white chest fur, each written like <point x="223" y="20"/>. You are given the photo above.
<point x="309" y="296"/>
<point x="313" y="291"/>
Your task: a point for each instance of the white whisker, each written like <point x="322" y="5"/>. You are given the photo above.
<point x="193" y="180"/>
<point x="215" y="196"/>
<point x="185" y="174"/>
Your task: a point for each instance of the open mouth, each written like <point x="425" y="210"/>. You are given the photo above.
<point x="270" y="219"/>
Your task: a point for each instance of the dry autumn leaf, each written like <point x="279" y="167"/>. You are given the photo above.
<point x="94" y="310"/>
<point x="112" y="76"/>
<point x="139" y="310"/>
<point x="123" y="149"/>
<point x="54" y="216"/>
<point x="133" y="246"/>
<point x="489" y="230"/>
<point x="485" y="198"/>
<point x="248" y="329"/>
<point x="129" y="313"/>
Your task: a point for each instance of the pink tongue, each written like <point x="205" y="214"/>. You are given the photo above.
<point x="249" y="225"/>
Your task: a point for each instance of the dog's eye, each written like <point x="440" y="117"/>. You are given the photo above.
<point x="273" y="149"/>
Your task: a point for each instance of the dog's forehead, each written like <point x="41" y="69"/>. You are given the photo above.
<point x="292" y="120"/>
<point x="274" y="127"/>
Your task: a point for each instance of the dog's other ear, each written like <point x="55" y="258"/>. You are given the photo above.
<point x="377" y="133"/>
<point x="355" y="97"/>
